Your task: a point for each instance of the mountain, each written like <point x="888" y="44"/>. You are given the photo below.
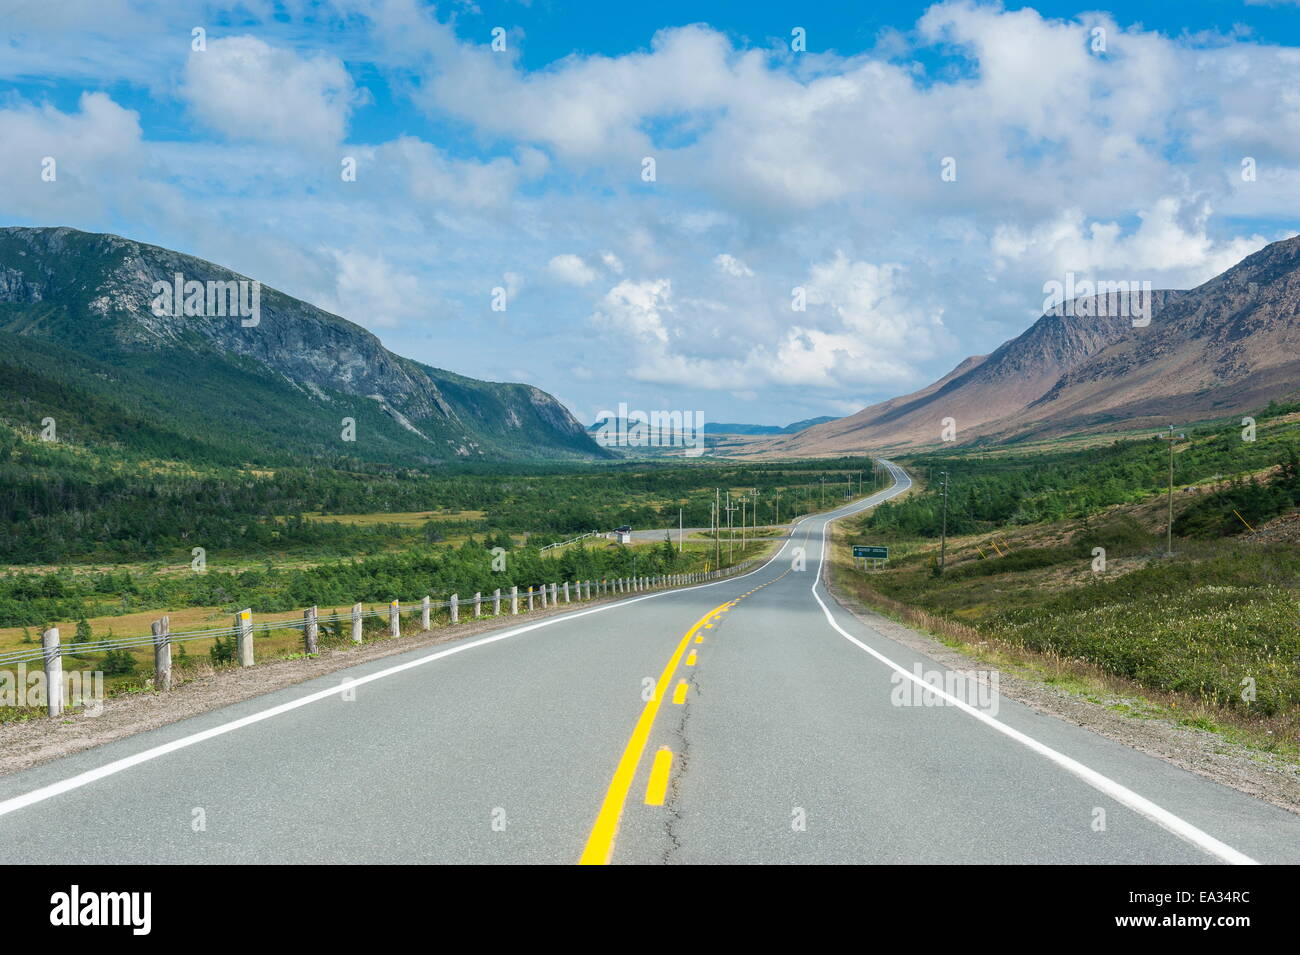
<point x="984" y="391"/>
<point x="1226" y="347"/>
<point x="1223" y="348"/>
<point x="85" y="333"/>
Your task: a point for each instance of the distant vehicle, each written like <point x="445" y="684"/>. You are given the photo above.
<point x="623" y="529"/>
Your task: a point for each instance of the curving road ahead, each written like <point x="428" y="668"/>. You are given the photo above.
<point x="749" y="720"/>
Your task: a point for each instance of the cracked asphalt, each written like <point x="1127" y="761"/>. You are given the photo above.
<point x="509" y="747"/>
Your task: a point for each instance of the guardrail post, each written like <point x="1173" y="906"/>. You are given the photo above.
<point x="555" y="595"/>
<point x="530" y="598"/>
<point x="566" y="591"/>
<point x="53" y="671"/>
<point x="310" y="633"/>
<point x="543" y="596"/>
<point x="424" y="613"/>
<point x="395" y="619"/>
<point x="356" y="623"/>
<point x="455" y="608"/>
<point x="478" y="604"/>
<point x="514" y="598"/>
<point x="496" y="602"/>
<point x="243" y="637"/>
<point x="162" y="654"/>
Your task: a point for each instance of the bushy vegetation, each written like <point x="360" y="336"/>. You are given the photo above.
<point x="1250" y="501"/>
<point x="61" y="503"/>
<point x="995" y="490"/>
<point x="36" y="599"/>
<point x="1217" y="621"/>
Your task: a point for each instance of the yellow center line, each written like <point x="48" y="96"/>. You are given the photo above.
<point x="657" y="789"/>
<point x="600" y="843"/>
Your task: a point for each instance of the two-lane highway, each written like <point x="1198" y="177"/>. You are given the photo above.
<point x="749" y="720"/>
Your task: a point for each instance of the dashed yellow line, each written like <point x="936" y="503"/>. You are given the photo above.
<point x="600" y="843"/>
<point x="657" y="789"/>
<point x="599" y="849"/>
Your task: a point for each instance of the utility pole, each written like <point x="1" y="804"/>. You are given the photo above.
<point x="731" y="527"/>
<point x="717" y="530"/>
<point x="943" y="537"/>
<point x="1169" y="540"/>
<point x="680" y="534"/>
<point x="742" y="523"/>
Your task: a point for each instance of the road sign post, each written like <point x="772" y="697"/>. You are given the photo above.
<point x="870" y="552"/>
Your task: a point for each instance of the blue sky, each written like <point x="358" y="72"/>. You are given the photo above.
<point x="1105" y="141"/>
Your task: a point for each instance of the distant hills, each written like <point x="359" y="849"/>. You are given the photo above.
<point x="711" y="427"/>
<point x="1224" y="347"/>
<point x="82" y="342"/>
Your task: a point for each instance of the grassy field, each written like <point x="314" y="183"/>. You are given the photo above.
<point x="1210" y="631"/>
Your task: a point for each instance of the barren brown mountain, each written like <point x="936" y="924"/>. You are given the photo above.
<point x="1225" y="347"/>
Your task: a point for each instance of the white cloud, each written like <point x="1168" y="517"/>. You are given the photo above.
<point x="1170" y="246"/>
<point x="637" y="309"/>
<point x="246" y="89"/>
<point x="733" y="266"/>
<point x="372" y="292"/>
<point x="571" y="269"/>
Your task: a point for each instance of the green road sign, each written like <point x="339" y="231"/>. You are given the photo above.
<point x="870" y="552"/>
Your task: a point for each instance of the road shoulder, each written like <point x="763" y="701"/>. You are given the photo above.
<point x="1199" y="751"/>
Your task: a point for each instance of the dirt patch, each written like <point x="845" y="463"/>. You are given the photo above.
<point x="1280" y="530"/>
<point x="37" y="741"/>
<point x="1198" y="751"/>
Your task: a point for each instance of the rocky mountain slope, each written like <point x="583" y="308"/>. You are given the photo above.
<point x="95" y="295"/>
<point x="1223" y="348"/>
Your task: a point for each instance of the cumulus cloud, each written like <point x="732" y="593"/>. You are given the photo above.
<point x="733" y="266"/>
<point x="246" y="89"/>
<point x="80" y="163"/>
<point x="372" y="292"/>
<point x="821" y="170"/>
<point x="1170" y="246"/>
<point x="571" y="269"/>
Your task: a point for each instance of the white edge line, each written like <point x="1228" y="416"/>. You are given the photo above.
<point x="51" y="790"/>
<point x="1104" y="784"/>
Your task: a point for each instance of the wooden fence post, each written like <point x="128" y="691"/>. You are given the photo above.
<point x="455" y="608"/>
<point x="496" y="602"/>
<point x="514" y="598"/>
<point x="356" y="623"/>
<point x="478" y="604"/>
<point x="310" y="632"/>
<point x="394" y="619"/>
<point x="53" y="671"/>
<point x="424" y="613"/>
<point x="162" y="654"/>
<point x="244" y="637"/>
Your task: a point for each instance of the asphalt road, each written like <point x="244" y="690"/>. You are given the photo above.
<point x="801" y="735"/>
